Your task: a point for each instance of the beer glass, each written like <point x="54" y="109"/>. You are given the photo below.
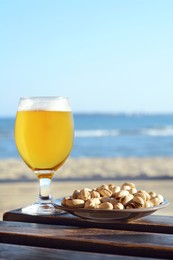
<point x="44" y="139"/>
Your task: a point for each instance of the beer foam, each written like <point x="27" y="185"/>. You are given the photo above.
<point x="44" y="103"/>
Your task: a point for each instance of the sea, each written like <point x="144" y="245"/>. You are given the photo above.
<point x="108" y="135"/>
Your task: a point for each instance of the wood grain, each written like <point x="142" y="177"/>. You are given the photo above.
<point x="97" y="240"/>
<point x="17" y="252"/>
<point x="153" y="223"/>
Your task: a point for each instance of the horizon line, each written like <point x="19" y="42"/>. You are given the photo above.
<point x="105" y="113"/>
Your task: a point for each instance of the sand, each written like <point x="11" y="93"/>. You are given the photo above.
<point x="95" y="168"/>
<point x="19" y="186"/>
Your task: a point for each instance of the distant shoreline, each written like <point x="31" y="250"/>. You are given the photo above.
<point x="113" y="113"/>
<point x="90" y="179"/>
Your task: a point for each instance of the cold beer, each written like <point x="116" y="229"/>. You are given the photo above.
<point x="44" y="138"/>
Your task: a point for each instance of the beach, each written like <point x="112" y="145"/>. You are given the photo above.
<point x="19" y="186"/>
<point x="95" y="169"/>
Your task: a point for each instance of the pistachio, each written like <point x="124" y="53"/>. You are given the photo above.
<point x="77" y="203"/>
<point x="133" y="191"/>
<point x="142" y="195"/>
<point x="106" y="205"/>
<point x="85" y="194"/>
<point x="105" y="199"/>
<point x="160" y="197"/>
<point x="126" y="187"/>
<point x="105" y="192"/>
<point x="115" y="191"/>
<point x="75" y="194"/>
<point x="63" y="202"/>
<point x="118" y="205"/>
<point x="125" y="200"/>
<point x="145" y="195"/>
<point x="112" y="196"/>
<point x="96" y="201"/>
<point x="111" y="187"/>
<point x="68" y="202"/>
<point x="157" y="200"/>
<point x="95" y="194"/>
<point x="114" y="201"/>
<point x="102" y="187"/>
<point x="131" y="184"/>
<point x="132" y="205"/>
<point x="148" y="204"/>
<point x="90" y="204"/>
<point x="152" y="194"/>
<point x="121" y="193"/>
<point x="138" y="200"/>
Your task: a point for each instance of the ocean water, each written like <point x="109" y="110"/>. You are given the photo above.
<point x="108" y="135"/>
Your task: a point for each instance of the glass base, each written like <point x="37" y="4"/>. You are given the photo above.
<point x="42" y="209"/>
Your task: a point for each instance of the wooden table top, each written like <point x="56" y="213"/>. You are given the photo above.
<point x="67" y="235"/>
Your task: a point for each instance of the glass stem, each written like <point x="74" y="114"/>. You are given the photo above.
<point x="44" y="192"/>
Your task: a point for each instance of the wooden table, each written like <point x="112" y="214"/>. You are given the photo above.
<point x="68" y="237"/>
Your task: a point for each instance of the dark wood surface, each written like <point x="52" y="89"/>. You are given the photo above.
<point x="17" y="252"/>
<point x="97" y="240"/>
<point x="152" y="223"/>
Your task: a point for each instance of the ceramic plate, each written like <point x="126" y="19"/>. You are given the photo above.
<point x="110" y="216"/>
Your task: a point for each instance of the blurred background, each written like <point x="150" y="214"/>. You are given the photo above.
<point x="113" y="59"/>
<point x="106" y="56"/>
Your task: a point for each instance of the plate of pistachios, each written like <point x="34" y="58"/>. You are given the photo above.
<point x="112" y="203"/>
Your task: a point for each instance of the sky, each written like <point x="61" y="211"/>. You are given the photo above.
<point x="112" y="56"/>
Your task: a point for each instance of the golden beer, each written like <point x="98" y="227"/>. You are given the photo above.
<point x="44" y="138"/>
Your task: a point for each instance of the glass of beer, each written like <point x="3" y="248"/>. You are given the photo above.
<point x="44" y="138"/>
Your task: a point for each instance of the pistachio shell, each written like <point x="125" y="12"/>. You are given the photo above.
<point x="95" y="194"/>
<point x="90" y="204"/>
<point x="133" y="191"/>
<point x="102" y="187"/>
<point x="148" y="204"/>
<point x="69" y="202"/>
<point x="75" y="194"/>
<point x="125" y="200"/>
<point x="113" y="201"/>
<point x="106" y="205"/>
<point x="63" y="202"/>
<point x="105" y="192"/>
<point x="112" y="196"/>
<point x="126" y="187"/>
<point x="85" y="194"/>
<point x="152" y="194"/>
<point x="111" y="187"/>
<point x="142" y="195"/>
<point x="121" y="193"/>
<point x="145" y="195"/>
<point x="118" y="205"/>
<point x="105" y="199"/>
<point x="77" y="203"/>
<point x="96" y="201"/>
<point x="155" y="201"/>
<point x="117" y="189"/>
<point x="131" y="184"/>
<point x="137" y="199"/>
<point x="132" y="205"/>
<point x="160" y="197"/>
